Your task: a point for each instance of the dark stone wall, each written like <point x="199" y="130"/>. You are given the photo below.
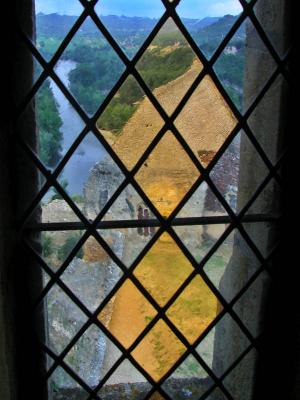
<point x="268" y="124"/>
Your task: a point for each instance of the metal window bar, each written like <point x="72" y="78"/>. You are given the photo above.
<point x="91" y="227"/>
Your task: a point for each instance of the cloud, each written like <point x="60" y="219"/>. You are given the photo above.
<point x="225" y="7"/>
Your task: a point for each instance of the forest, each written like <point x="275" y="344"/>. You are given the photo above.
<point x="49" y="124"/>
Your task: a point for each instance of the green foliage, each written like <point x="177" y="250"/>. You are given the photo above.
<point x="47" y="244"/>
<point x="230" y="67"/>
<point x="157" y="68"/>
<point x="97" y="71"/>
<point x="78" y="198"/>
<point x="68" y="246"/>
<point x="164" y="39"/>
<point x="49" y="123"/>
<point x="115" y="116"/>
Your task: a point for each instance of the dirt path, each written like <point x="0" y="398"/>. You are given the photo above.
<point x="191" y="313"/>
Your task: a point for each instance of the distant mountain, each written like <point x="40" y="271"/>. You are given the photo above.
<point x="196" y="24"/>
<point x="59" y="25"/>
<point x="218" y="29"/>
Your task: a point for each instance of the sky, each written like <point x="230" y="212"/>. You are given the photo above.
<point x="143" y="8"/>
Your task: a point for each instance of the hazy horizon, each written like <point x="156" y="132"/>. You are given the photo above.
<point x="143" y="8"/>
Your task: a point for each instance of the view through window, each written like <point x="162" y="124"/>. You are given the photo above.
<point x="145" y="111"/>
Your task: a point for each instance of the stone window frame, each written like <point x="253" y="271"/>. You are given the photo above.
<point x="22" y="173"/>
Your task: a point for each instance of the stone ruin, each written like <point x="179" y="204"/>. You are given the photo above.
<point x="94" y="275"/>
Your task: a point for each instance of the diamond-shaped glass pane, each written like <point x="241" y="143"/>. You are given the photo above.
<point x="61" y="383"/>
<point x="225" y="175"/>
<point x="237" y="185"/>
<point x="189" y="380"/>
<point x="167" y="174"/>
<point x="217" y="394"/>
<point x="130" y="122"/>
<point x="259" y="121"/>
<point x="54" y="20"/>
<point x="202" y="203"/>
<point x="205" y="121"/>
<point x="131" y="24"/>
<point x="127" y="244"/>
<point x="230" y="67"/>
<point x="263" y="234"/>
<point x="253" y="300"/>
<point x="87" y="357"/>
<point x="242" y="389"/>
<point x="126" y="383"/>
<point x="199" y="239"/>
<point x="97" y="66"/>
<point x="209" y="22"/>
<point x="36" y="181"/>
<point x="64" y="319"/>
<point x="158" y="351"/>
<point x="212" y="347"/>
<point x="280" y="42"/>
<point x="127" y="314"/>
<point x="129" y="206"/>
<point x="233" y="255"/>
<point x="57" y="246"/>
<point x="267" y="200"/>
<point x="91" y="176"/>
<point x="194" y="309"/>
<point x="57" y="122"/>
<point x="93" y="276"/>
<point x="54" y="208"/>
<point x="25" y="54"/>
<point x="169" y="66"/>
<point x="163" y="269"/>
<point x="256" y="50"/>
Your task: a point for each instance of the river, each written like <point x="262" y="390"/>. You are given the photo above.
<point x="90" y="150"/>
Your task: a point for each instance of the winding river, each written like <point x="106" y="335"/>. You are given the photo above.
<point x="89" y="151"/>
